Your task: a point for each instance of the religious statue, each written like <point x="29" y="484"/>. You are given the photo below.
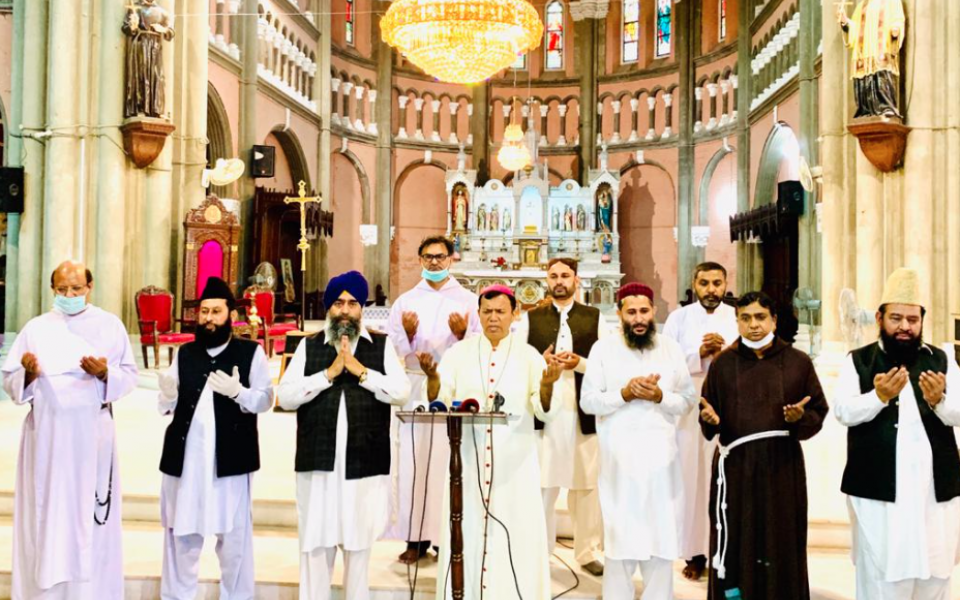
<point x="555" y="220"/>
<point x="568" y="219"/>
<point x="606" y="241"/>
<point x="147" y="25"/>
<point x="604" y="210"/>
<point x="482" y="218"/>
<point x="581" y="218"/>
<point x="507" y="220"/>
<point x="460" y="210"/>
<point x="456" y="246"/>
<point x="875" y="35"/>
<point x="495" y="219"/>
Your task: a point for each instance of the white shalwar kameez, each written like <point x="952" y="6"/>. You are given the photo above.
<point x="416" y="448"/>
<point x="333" y="511"/>
<point x="199" y="504"/>
<point x="641" y="484"/>
<point x="68" y="461"/>
<point x="504" y="457"/>
<point x="687" y="326"/>
<point x="568" y="458"/>
<point x="907" y="549"/>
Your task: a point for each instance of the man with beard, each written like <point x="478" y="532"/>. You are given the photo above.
<point x="702" y="329"/>
<point x="342" y="382"/>
<point x="762" y="397"/>
<point x="431" y="317"/>
<point x="638" y="384"/>
<point x="69" y="365"/>
<point x="901" y="400"/>
<point x="215" y="388"/>
<point x="566" y="329"/>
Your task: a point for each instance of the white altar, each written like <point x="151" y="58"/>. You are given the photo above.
<point x="508" y="234"/>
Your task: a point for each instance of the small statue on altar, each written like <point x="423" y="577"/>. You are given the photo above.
<point x="482" y="218"/>
<point x="456" y="247"/>
<point x="568" y="219"/>
<point x="460" y="209"/>
<point x="581" y="218"/>
<point x="604" y="210"/>
<point x="507" y="220"/>
<point x="147" y="25"/>
<point x="495" y="219"/>
<point x="606" y="241"/>
<point x="875" y="35"/>
<point x="555" y="219"/>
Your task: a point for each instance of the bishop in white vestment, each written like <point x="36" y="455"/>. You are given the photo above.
<point x="703" y="329"/>
<point x="342" y="383"/>
<point x="504" y="531"/>
<point x="638" y="385"/>
<point x="69" y="365"/>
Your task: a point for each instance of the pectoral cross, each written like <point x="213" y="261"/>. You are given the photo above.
<point x="302" y="199"/>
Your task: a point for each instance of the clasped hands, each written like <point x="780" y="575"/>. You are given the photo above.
<point x="457" y="323"/>
<point x="889" y="385"/>
<point x="97" y="367"/>
<point x="345" y="361"/>
<point x="643" y="388"/>
<point x="567" y="360"/>
<point x="711" y="345"/>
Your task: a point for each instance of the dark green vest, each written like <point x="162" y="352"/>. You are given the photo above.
<point x="544" y="329"/>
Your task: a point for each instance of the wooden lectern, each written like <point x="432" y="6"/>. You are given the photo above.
<point x="454" y="421"/>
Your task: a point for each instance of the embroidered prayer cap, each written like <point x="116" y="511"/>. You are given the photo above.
<point x="217" y="289"/>
<point x="499" y="288"/>
<point x="352" y="282"/>
<point x="903" y="287"/>
<point x="634" y="289"/>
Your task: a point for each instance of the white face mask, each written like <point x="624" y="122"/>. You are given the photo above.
<point x="766" y="341"/>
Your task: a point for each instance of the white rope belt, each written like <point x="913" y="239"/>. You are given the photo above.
<point x="723" y="533"/>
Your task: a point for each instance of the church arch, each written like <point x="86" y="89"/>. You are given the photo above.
<point x="367" y="207"/>
<point x="779" y="161"/>
<point x="704" y="192"/>
<point x="293" y="150"/>
<point x="419" y="210"/>
<point x="219" y="138"/>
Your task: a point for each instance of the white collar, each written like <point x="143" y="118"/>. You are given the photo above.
<point x="449" y="284"/>
<point x="564" y="310"/>
<point x="218" y="349"/>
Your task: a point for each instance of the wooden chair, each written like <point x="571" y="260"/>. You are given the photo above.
<point x="155" y="317"/>
<point x="274" y="327"/>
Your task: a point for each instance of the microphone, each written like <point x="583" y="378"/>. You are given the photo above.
<point x="470" y="405"/>
<point x="438" y="406"/>
<point x="498" y="402"/>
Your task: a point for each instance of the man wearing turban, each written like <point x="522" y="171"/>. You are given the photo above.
<point x="638" y="386"/>
<point x="342" y="383"/>
<point x="900" y="399"/>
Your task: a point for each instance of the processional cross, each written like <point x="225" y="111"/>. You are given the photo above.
<point x="302" y="199"/>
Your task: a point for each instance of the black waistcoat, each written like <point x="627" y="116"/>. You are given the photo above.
<point x="368" y="419"/>
<point x="238" y="445"/>
<point x="544" y="329"/>
<point x="871" y="470"/>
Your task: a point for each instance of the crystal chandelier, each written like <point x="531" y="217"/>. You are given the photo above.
<point x="514" y="154"/>
<point x="462" y="41"/>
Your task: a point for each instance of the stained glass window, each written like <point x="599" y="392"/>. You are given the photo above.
<point x="664" y="27"/>
<point x="350" y="17"/>
<point x="520" y="64"/>
<point x="554" y="35"/>
<point x="722" y="12"/>
<point x="631" y="31"/>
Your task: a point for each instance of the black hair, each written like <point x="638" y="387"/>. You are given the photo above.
<point x="570" y="262"/>
<point x="883" y="311"/>
<point x="709" y="266"/>
<point x="493" y="294"/>
<point x="435" y="239"/>
<point x="760" y="298"/>
<point x="86" y="272"/>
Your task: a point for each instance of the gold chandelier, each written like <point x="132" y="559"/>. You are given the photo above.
<point x="514" y="154"/>
<point x="462" y="41"/>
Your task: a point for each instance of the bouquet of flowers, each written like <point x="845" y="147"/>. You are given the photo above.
<point x="499" y="263"/>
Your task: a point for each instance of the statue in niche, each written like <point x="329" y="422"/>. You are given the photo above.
<point x="482" y="218"/>
<point x="460" y="209"/>
<point x="568" y="219"/>
<point x="147" y="25"/>
<point x="875" y="34"/>
<point x="495" y="219"/>
<point x="555" y="219"/>
<point x="606" y="243"/>
<point x="507" y="220"/>
<point x="456" y="247"/>
<point x="581" y="218"/>
<point x="604" y="210"/>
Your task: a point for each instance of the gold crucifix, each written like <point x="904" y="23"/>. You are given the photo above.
<point x="302" y="199"/>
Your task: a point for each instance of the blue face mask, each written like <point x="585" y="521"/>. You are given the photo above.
<point x="70" y="306"/>
<point x="435" y="276"/>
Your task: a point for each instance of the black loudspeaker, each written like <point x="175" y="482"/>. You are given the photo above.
<point x="11" y="190"/>
<point x="790" y="198"/>
<point x="262" y="159"/>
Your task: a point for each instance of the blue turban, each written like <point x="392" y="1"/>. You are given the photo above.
<point x="351" y="282"/>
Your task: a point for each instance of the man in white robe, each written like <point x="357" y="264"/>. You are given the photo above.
<point x="901" y="400"/>
<point x="431" y="317"/>
<point x="638" y="384"/>
<point x="569" y="455"/>
<point x="214" y="390"/>
<point x="702" y="329"/>
<point x="342" y="383"/>
<point x="504" y="531"/>
<point x="69" y="365"/>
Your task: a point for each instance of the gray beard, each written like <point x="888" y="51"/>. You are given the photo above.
<point x="342" y="326"/>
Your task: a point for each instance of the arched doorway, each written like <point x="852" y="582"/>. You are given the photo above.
<point x="420" y="210"/>
<point x="220" y="142"/>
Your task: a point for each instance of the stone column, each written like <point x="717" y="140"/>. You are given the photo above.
<point x="418" y="106"/>
<point x="809" y="242"/>
<point x="599" y="123"/>
<point x="524" y="117"/>
<point x="435" y="109"/>
<point x="733" y="100"/>
<point x="686" y="44"/>
<point x="668" y="123"/>
<point x="382" y="125"/>
<point x="615" y="138"/>
<point x="248" y="132"/>
<point x="544" y="111"/>
<point x="402" y="102"/>
<point x="453" y="106"/>
<point x="588" y="23"/>
<point x="506" y="108"/>
<point x="372" y="127"/>
<point x="562" y="111"/>
<point x="712" y="89"/>
<point x="317" y="274"/>
<point x="234" y="24"/>
<point x="651" y="117"/>
<point x="745" y="252"/>
<point x="218" y="22"/>
<point x="724" y="92"/>
<point x="358" y="123"/>
<point x="470" y="123"/>
<point x="335" y="101"/>
<point x="345" y="112"/>
<point x="634" y="118"/>
<point x="698" y="111"/>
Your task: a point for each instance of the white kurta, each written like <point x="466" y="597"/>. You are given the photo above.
<point x="433" y="308"/>
<point x="199" y="502"/>
<point x="68" y="457"/>
<point x="568" y="459"/>
<point x="914" y="537"/>
<point x="500" y="460"/>
<point x="331" y="509"/>
<point x="641" y="485"/>
<point x="687" y="326"/>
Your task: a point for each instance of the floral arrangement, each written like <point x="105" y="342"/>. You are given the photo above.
<point x="499" y="263"/>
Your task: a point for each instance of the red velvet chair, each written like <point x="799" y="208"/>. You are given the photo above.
<point x="275" y="327"/>
<point x="155" y="316"/>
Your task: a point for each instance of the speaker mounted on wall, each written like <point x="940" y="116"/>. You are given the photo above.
<point x="262" y="160"/>
<point x="11" y="190"/>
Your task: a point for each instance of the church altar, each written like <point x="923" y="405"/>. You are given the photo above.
<point x="508" y="233"/>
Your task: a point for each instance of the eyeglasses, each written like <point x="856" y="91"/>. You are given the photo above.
<point x="434" y="257"/>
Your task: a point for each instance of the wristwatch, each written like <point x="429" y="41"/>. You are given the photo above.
<point x="363" y="376"/>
